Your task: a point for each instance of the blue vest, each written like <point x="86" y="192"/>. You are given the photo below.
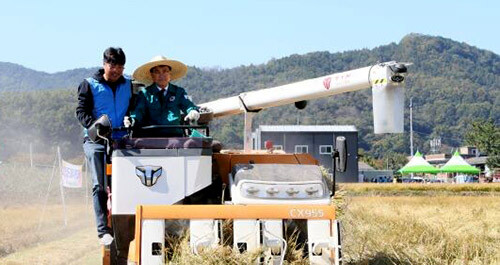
<point x="114" y="105"/>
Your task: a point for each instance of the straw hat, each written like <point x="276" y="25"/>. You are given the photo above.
<point x="143" y="75"/>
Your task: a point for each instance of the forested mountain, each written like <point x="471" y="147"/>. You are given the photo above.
<point x="14" y="77"/>
<point x="451" y="84"/>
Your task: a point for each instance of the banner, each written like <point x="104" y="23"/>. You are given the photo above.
<point x="71" y="175"/>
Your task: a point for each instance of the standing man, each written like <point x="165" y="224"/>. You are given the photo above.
<point x="161" y="103"/>
<point x="109" y="93"/>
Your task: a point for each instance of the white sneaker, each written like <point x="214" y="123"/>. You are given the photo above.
<point x="106" y="240"/>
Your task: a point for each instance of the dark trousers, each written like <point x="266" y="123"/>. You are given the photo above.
<point x="95" y="154"/>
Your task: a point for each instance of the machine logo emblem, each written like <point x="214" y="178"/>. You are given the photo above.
<point x="326" y="82"/>
<point x="148" y="174"/>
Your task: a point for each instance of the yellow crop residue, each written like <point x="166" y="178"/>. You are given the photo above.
<point x="422" y="230"/>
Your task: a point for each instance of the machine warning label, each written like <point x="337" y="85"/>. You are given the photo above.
<point x="379" y="81"/>
<point x="306" y="213"/>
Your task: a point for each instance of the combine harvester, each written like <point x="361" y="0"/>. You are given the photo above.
<point x="153" y="178"/>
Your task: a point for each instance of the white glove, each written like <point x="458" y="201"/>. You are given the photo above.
<point x="128" y="122"/>
<point x="193" y="115"/>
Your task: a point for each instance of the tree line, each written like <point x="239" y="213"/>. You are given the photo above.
<point x="452" y="85"/>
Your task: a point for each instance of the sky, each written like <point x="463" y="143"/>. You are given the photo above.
<point x="53" y="36"/>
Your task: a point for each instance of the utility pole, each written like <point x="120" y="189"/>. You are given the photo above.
<point x="411" y="129"/>
<point x="411" y="126"/>
<point x="31" y="155"/>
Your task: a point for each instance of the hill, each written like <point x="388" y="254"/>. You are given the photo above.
<point x="451" y="84"/>
<point x="14" y="77"/>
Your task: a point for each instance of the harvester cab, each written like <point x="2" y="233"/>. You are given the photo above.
<point x="154" y="179"/>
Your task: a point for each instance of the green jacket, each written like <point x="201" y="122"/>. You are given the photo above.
<point x="152" y="108"/>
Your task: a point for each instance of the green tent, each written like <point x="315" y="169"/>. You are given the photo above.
<point x="418" y="164"/>
<point x="457" y="164"/>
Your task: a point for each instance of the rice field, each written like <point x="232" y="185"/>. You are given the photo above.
<point x="382" y="224"/>
<point x="422" y="230"/>
<point x="418" y="189"/>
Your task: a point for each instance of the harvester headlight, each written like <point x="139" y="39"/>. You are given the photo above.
<point x="397" y="78"/>
<point x="282" y="191"/>
<point x="272" y="190"/>
<point x="292" y="191"/>
<point x="252" y="190"/>
<point x="311" y="190"/>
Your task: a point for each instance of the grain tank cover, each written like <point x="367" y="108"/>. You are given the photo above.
<point x="277" y="172"/>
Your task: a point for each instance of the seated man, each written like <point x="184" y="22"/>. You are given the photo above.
<point x="161" y="102"/>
